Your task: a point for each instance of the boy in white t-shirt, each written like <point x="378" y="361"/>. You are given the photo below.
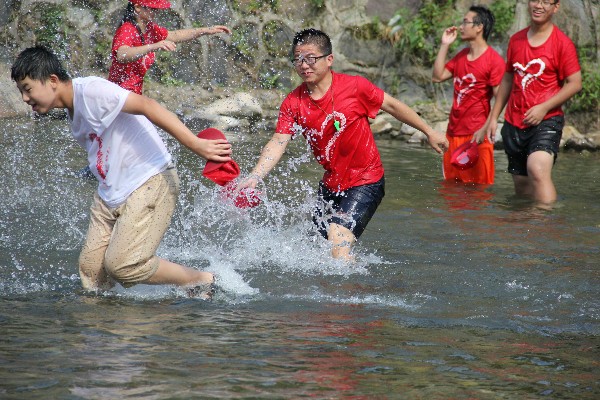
<point x="138" y="185"/>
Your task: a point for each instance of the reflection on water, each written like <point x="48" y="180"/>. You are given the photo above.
<point x="458" y="292"/>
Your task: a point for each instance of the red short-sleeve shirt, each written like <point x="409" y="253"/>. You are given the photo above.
<point x="349" y="155"/>
<point x="538" y="72"/>
<point x="473" y="88"/>
<point x="131" y="75"/>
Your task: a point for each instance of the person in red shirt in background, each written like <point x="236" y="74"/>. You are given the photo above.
<point x="138" y="37"/>
<point x="477" y="71"/>
<point x="542" y="72"/>
<point x="332" y="110"/>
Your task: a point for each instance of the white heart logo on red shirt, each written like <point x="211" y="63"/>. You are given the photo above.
<point x="469" y="80"/>
<point x="528" y="77"/>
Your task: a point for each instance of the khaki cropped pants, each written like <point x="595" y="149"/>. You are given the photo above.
<point x="121" y="242"/>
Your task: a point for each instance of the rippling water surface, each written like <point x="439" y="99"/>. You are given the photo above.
<point x="457" y="292"/>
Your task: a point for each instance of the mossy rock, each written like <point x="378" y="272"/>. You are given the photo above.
<point x="277" y="38"/>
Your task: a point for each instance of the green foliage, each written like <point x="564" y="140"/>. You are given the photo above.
<point x="270" y="80"/>
<point x="271" y="35"/>
<point x="418" y="36"/>
<point x="51" y="29"/>
<point x="504" y="15"/>
<point x="241" y="40"/>
<point x="318" y="4"/>
<point x="255" y="6"/>
<point x="369" y="31"/>
<point x="164" y="62"/>
<point x="588" y="100"/>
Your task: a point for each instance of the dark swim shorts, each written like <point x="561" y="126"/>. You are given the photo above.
<point x="520" y="143"/>
<point x="352" y="208"/>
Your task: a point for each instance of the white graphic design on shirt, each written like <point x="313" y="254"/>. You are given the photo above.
<point x="529" y="77"/>
<point x="335" y="116"/>
<point x="100" y="157"/>
<point x="468" y="80"/>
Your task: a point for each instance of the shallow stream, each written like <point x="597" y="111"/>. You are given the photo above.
<point x="458" y="291"/>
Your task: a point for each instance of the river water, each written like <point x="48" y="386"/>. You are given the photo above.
<point x="457" y="292"/>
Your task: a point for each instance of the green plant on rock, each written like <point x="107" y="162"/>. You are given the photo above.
<point x="588" y="100"/>
<point x="418" y="35"/>
<point x="317" y="4"/>
<point x="369" y="31"/>
<point x="164" y="62"/>
<point x="51" y="28"/>
<point x="240" y="39"/>
<point x="270" y="81"/>
<point x="504" y="16"/>
<point x="255" y="6"/>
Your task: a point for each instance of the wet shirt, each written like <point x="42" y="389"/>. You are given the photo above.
<point x="124" y="150"/>
<point x="349" y="154"/>
<point x="473" y="88"/>
<point x="131" y="75"/>
<point x="538" y="72"/>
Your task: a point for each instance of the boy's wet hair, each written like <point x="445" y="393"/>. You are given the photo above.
<point x="38" y="63"/>
<point x="483" y="17"/>
<point x="313" y="36"/>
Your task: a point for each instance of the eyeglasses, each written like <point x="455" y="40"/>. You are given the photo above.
<point x="544" y="3"/>
<point x="464" y="23"/>
<point x="309" y="60"/>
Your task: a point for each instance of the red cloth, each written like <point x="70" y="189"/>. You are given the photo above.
<point x="152" y="3"/>
<point x="473" y="89"/>
<point x="349" y="156"/>
<point x="538" y="72"/>
<point x="131" y="75"/>
<point x="482" y="172"/>
<point x="224" y="173"/>
<point x="465" y="156"/>
<point x="245" y="198"/>
<point x="220" y="173"/>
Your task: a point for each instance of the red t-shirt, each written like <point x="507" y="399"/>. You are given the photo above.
<point x="349" y="156"/>
<point x="538" y="72"/>
<point x="131" y="75"/>
<point x="473" y="89"/>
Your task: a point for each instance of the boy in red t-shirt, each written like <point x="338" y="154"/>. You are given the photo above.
<point x="542" y="72"/>
<point x="477" y="71"/>
<point x="331" y="110"/>
<point x="138" y="37"/>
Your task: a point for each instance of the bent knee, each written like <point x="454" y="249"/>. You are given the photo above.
<point x="131" y="273"/>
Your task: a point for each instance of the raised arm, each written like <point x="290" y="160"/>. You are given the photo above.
<point x="440" y="73"/>
<point x="127" y="54"/>
<point x="407" y="115"/>
<point x="183" y="35"/>
<point x="214" y="150"/>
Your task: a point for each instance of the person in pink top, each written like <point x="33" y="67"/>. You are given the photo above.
<point x="332" y="110"/>
<point x="477" y="71"/>
<point x="542" y="72"/>
<point x="138" y="37"/>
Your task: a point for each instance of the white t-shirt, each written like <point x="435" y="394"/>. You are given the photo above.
<point x="124" y="150"/>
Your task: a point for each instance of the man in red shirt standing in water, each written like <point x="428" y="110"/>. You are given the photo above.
<point x="138" y="37"/>
<point x="477" y="71"/>
<point x="542" y="72"/>
<point x="332" y="112"/>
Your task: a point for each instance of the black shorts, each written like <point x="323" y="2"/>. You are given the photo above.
<point x="352" y="208"/>
<point x="520" y="143"/>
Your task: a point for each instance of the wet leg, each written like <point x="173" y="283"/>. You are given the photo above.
<point x="342" y="240"/>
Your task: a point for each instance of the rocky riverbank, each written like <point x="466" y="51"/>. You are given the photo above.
<point x="255" y="111"/>
<point x="236" y="82"/>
